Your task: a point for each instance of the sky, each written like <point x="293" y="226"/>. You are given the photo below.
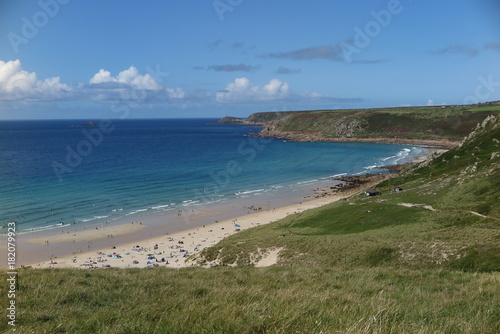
<point x="74" y="59"/>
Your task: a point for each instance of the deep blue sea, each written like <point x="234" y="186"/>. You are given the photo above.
<point x="55" y="172"/>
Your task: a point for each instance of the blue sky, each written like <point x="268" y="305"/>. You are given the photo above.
<point x="110" y="59"/>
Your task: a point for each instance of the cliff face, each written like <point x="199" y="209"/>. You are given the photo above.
<point x="230" y="120"/>
<point x="266" y="117"/>
<point x="442" y="126"/>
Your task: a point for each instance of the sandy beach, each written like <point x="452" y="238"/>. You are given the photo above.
<point x="172" y="249"/>
<point x="167" y="248"/>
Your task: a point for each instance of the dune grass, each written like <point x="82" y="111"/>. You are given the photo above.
<point x="257" y="300"/>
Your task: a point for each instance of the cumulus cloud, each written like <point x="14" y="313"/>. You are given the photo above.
<point x="456" y="49"/>
<point x="16" y="83"/>
<point x="175" y="93"/>
<point x="129" y="84"/>
<point x="276" y="87"/>
<point x="129" y="77"/>
<point x="241" y="90"/>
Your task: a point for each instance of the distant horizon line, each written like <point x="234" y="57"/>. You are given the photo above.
<point x="220" y="117"/>
<point x="113" y="119"/>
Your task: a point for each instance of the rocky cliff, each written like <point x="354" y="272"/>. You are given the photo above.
<point x="230" y="120"/>
<point x="441" y="126"/>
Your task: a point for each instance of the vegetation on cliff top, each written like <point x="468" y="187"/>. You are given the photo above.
<point x="440" y="122"/>
<point x="230" y="120"/>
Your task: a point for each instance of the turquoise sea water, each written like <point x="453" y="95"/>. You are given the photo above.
<point x="54" y="173"/>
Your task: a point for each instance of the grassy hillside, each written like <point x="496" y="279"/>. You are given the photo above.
<point x="256" y="300"/>
<point x="425" y="260"/>
<point x="447" y="216"/>
<point x="450" y="122"/>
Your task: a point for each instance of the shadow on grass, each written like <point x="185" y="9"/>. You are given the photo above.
<point x="344" y="218"/>
<point x="479" y="259"/>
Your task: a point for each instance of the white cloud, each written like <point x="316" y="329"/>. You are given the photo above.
<point x="241" y="90"/>
<point x="276" y="87"/>
<point x="131" y="85"/>
<point x="102" y="76"/>
<point x="177" y="93"/>
<point x="130" y="77"/>
<point x="430" y="102"/>
<point x="16" y="83"/>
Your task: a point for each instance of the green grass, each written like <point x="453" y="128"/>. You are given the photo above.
<point x="364" y="265"/>
<point x="451" y="122"/>
<point x="251" y="300"/>
<point x="479" y="258"/>
<point x="366" y="216"/>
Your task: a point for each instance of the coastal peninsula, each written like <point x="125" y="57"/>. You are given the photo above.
<point x="441" y="126"/>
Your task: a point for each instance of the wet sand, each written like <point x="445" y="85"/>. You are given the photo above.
<point x="89" y="235"/>
<point x="74" y="239"/>
<point x="172" y="250"/>
<point x="175" y="250"/>
<point x="171" y="237"/>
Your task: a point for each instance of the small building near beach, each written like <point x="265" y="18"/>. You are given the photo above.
<point x="372" y="192"/>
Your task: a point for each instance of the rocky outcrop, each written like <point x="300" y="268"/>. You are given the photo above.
<point x="267" y="117"/>
<point x="89" y="124"/>
<point x="442" y="127"/>
<point x="347" y="127"/>
<point x="490" y="121"/>
<point x="270" y="131"/>
<point x="230" y="120"/>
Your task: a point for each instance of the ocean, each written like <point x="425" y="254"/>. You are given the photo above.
<point x="57" y="172"/>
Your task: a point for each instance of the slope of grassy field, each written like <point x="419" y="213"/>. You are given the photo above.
<point x="424" y="260"/>
<point x="447" y="216"/>
<point x="256" y="300"/>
